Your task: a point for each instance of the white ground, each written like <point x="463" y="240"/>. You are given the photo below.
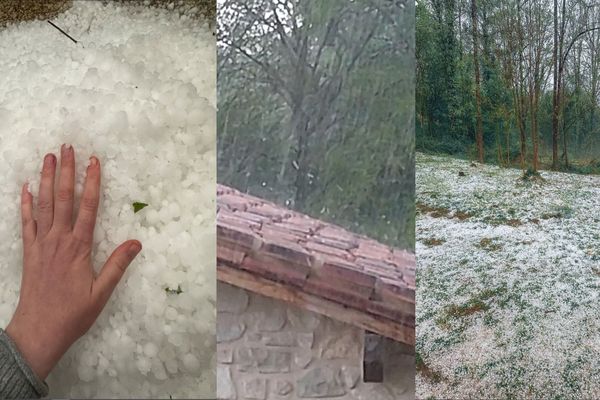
<point x="516" y="315"/>
<point x="138" y="91"/>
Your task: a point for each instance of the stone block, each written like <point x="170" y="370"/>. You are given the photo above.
<point x="266" y="361"/>
<point x="229" y="327"/>
<point x="254" y="388"/>
<point x="270" y="315"/>
<point x="321" y="382"/>
<point x="350" y="375"/>
<point x="231" y="299"/>
<point x="347" y="344"/>
<point x="224" y="356"/>
<point x="283" y="388"/>
<point x="305" y="340"/>
<point x="302" y="359"/>
<point x="303" y="320"/>
<point x="225" y="386"/>
<point x="280" y="339"/>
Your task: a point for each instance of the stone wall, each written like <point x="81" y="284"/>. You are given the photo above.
<point x="269" y="350"/>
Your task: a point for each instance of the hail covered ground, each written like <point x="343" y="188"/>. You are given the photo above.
<point x="508" y="282"/>
<point x="138" y="91"/>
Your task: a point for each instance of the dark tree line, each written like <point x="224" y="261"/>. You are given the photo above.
<point x="316" y="109"/>
<point x="511" y="81"/>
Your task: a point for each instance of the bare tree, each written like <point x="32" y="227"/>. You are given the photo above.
<point x="304" y="62"/>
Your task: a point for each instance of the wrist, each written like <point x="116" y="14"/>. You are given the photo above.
<point x="40" y="357"/>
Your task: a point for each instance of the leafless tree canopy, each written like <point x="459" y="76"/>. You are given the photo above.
<point x="325" y="87"/>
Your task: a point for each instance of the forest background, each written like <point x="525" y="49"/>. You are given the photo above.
<point x="316" y="109"/>
<point x="513" y="82"/>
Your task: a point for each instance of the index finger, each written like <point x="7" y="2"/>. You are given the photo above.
<point x="88" y="206"/>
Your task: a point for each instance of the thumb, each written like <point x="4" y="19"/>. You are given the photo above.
<point x="114" y="268"/>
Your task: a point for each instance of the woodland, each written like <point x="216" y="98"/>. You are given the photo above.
<point x="512" y="82"/>
<point x="316" y="109"/>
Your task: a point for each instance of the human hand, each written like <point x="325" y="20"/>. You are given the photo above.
<point x="60" y="295"/>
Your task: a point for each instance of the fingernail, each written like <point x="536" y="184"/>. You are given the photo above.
<point x="93" y="161"/>
<point x="49" y="160"/>
<point x="134" y="248"/>
<point x="66" y="149"/>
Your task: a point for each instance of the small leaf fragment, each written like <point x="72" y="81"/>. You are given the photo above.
<point x="137" y="206"/>
<point x="174" y="291"/>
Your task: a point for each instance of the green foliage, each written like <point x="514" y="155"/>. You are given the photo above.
<point x="445" y="96"/>
<point x="137" y="206"/>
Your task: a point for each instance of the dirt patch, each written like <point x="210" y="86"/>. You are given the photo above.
<point x="29" y="10"/>
<point x="435" y="212"/>
<point x="513" y="222"/>
<point x="461" y="215"/>
<point x="551" y="215"/>
<point x="434" y="242"/>
<point x="531" y="175"/>
<point x="441" y="212"/>
<point x="425" y="371"/>
<point x="194" y="8"/>
<point x="454" y="312"/>
<point x="467" y="309"/>
<point x="504" y="221"/>
<point x="489" y="244"/>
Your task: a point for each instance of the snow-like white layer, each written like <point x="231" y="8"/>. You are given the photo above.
<point x="138" y="91"/>
<point x="508" y="298"/>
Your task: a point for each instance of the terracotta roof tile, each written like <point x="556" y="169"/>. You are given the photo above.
<point x="276" y="269"/>
<point x="319" y="258"/>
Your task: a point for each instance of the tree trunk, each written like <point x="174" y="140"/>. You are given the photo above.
<point x="479" y="132"/>
<point x="301" y="181"/>
<point x="507" y="132"/>
<point x="520" y="97"/>
<point x="555" y="92"/>
<point x="565" y="154"/>
<point x="533" y="127"/>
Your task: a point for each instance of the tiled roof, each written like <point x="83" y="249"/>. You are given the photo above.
<point x="313" y="258"/>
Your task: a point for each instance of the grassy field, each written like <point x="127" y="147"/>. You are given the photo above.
<point x="508" y="283"/>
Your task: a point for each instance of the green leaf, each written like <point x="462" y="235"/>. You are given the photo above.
<point x="137" y="206"/>
<point x="174" y="291"/>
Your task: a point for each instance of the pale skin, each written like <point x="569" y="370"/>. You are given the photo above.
<point x="61" y="296"/>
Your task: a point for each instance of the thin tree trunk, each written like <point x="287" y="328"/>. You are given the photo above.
<point x="555" y="92"/>
<point x="507" y="132"/>
<point x="565" y="154"/>
<point x="301" y="162"/>
<point x="479" y="132"/>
